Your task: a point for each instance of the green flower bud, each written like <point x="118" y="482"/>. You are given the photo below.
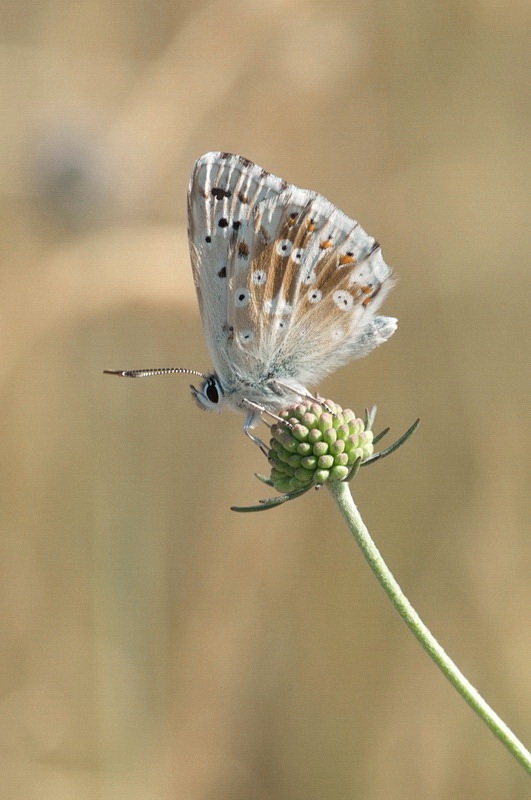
<point x="294" y="461"/>
<point x="304" y="448"/>
<point x="321" y="476"/>
<point x="337" y="447"/>
<point x="316" y="443"/>
<point x="330" y="436"/>
<point x="325" y="421"/>
<point x="325" y="462"/>
<point x="338" y="473"/>
<point x="300" y="432"/>
<point x="303" y="475"/>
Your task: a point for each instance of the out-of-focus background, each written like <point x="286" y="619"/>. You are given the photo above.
<point x="155" y="644"/>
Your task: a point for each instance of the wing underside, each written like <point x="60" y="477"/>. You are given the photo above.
<point x="288" y="285"/>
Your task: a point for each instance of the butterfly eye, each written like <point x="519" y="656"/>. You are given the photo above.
<point x="211" y="391"/>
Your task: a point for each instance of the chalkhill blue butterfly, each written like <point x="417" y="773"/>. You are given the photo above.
<point x="288" y="287"/>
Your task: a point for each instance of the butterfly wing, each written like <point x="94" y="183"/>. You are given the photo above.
<point x="315" y="282"/>
<point x="288" y="285"/>
<point x="223" y="191"/>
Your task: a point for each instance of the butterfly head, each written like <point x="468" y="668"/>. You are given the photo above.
<point x="210" y="394"/>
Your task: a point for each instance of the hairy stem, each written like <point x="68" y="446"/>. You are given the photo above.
<point x="341" y="494"/>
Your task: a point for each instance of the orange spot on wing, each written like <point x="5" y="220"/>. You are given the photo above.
<point x="370" y="292"/>
<point x="311" y="227"/>
<point x="346" y="260"/>
<point x="325" y="245"/>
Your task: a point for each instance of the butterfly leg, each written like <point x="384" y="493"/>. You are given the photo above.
<point x="304" y="393"/>
<point x="322" y="402"/>
<point x="249" y="419"/>
<point x="261" y="410"/>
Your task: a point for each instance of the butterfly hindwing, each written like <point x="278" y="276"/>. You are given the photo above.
<point x="305" y="302"/>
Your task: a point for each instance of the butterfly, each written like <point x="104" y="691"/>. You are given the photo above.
<point x="288" y="287"/>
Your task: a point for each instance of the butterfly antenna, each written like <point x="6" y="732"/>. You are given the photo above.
<point x="145" y="373"/>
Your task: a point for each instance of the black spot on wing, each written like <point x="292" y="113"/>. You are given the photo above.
<point x="220" y="193"/>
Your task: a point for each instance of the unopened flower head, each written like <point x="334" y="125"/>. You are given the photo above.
<point x="319" y="442"/>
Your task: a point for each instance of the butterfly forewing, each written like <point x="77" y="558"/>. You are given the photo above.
<point x="223" y="191"/>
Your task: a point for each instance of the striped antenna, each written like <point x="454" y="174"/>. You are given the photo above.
<point x="145" y="373"/>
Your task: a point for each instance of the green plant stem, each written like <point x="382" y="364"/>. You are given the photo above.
<point x="341" y="494"/>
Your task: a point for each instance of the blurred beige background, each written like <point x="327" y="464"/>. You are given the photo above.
<point x="156" y="645"/>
